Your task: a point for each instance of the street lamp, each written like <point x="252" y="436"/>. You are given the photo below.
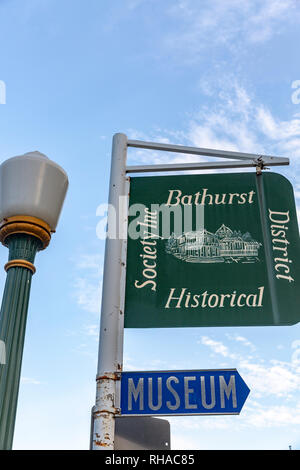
<point x="32" y="192"/>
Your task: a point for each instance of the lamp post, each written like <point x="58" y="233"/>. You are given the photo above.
<point x="32" y="192"/>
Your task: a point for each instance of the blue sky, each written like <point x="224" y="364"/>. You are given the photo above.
<point x="215" y="74"/>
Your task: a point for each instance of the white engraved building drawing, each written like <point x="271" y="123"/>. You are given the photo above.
<point x="225" y="245"/>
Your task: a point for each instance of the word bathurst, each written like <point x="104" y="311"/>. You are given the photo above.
<point x="175" y="198"/>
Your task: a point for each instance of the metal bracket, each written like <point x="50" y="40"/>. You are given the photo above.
<point x="259" y="165"/>
<point x="109" y="376"/>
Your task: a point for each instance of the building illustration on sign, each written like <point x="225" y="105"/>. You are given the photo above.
<point x="225" y="245"/>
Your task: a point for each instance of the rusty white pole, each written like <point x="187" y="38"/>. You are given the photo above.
<point x="112" y="309"/>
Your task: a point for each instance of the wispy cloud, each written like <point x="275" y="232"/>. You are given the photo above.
<point x="275" y="378"/>
<point x="90" y="261"/>
<point x="274" y="129"/>
<point x="257" y="417"/>
<point x="232" y="24"/>
<point x="275" y="416"/>
<point x="235" y="121"/>
<point x="265" y="377"/>
<point x="239" y="122"/>
<point x="241" y="340"/>
<point x="87" y="294"/>
<point x="88" y="282"/>
<point x="92" y="330"/>
<point x="217" y="347"/>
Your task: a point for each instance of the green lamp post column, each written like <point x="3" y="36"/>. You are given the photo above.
<point x="40" y="187"/>
<point x="13" y="317"/>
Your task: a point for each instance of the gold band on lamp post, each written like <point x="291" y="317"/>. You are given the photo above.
<point x="21" y="263"/>
<point x="28" y="225"/>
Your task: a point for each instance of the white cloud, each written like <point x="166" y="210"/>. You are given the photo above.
<point x="90" y="261"/>
<point x="232" y="24"/>
<point x="204" y="134"/>
<point x="239" y="123"/>
<point x="277" y="378"/>
<point x="92" y="330"/>
<point x="236" y="122"/>
<point x="242" y="340"/>
<point x="275" y="416"/>
<point x="129" y="363"/>
<point x="259" y="417"/>
<point x="88" y="294"/>
<point x="275" y="129"/>
<point x="217" y="347"/>
<point x="87" y="285"/>
<point x="265" y="378"/>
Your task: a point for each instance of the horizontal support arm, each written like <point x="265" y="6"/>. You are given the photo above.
<point x="207" y="165"/>
<point x="206" y="152"/>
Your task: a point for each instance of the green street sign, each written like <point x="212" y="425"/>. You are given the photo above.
<point x="212" y="250"/>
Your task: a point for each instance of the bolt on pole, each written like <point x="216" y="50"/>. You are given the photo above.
<point x="110" y="357"/>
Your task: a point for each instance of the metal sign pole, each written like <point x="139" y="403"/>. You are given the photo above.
<point x="113" y="295"/>
<point x="112" y="317"/>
